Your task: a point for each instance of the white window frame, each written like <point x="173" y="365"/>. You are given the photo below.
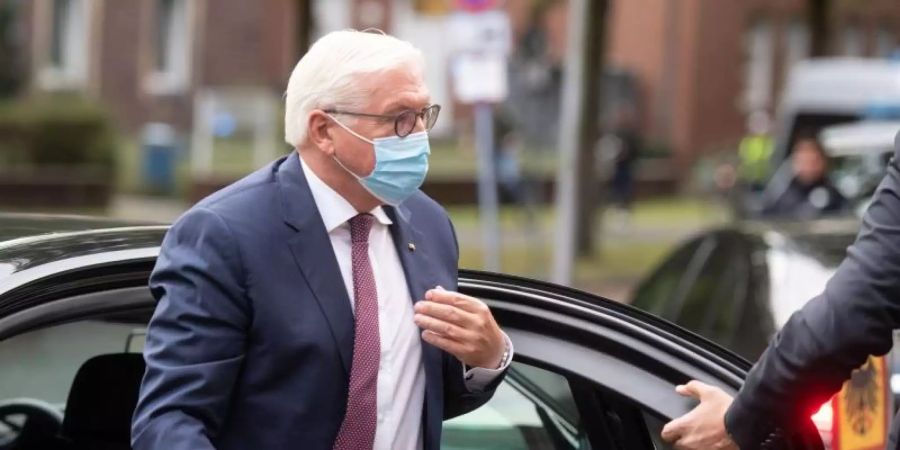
<point x="759" y="65"/>
<point x="798" y="43"/>
<point x="176" y="78"/>
<point x="853" y="42"/>
<point x="885" y="41"/>
<point x="72" y="73"/>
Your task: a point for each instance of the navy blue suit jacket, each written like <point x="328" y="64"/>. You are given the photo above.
<point x="250" y="345"/>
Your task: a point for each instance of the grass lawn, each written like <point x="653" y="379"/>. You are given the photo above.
<point x="624" y="253"/>
<point x="235" y="158"/>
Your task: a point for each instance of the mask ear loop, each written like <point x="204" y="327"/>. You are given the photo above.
<point x="334" y="156"/>
<point x="345" y="127"/>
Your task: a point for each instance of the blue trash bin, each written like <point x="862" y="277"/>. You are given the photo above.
<point x="160" y="149"/>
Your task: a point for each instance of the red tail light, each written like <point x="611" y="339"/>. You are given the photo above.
<point x="823" y="418"/>
<point x="824" y="422"/>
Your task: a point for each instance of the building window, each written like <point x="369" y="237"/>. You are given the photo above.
<point x="61" y="10"/>
<point x="885" y="42"/>
<point x="66" y="65"/>
<point x="853" y="41"/>
<point x="170" y="73"/>
<point x="797" y="43"/>
<point x="758" y="67"/>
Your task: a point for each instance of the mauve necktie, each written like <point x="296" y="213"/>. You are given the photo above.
<point x="358" y="429"/>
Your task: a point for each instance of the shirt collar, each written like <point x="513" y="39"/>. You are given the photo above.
<point x="335" y="209"/>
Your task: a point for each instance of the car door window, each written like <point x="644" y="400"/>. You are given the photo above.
<point x="703" y="287"/>
<point x="37" y="370"/>
<point x="532" y="409"/>
<point x="713" y="302"/>
<point x="41" y="364"/>
<point x="656" y="294"/>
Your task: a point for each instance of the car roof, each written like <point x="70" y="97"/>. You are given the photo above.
<point x="30" y="240"/>
<point x="841" y="84"/>
<point x="826" y="240"/>
<point x="860" y="138"/>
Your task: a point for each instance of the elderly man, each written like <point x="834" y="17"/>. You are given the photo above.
<point x="290" y="303"/>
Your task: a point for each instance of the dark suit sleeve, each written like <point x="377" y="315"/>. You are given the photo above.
<point x="196" y="338"/>
<point x="458" y="400"/>
<point x="833" y="334"/>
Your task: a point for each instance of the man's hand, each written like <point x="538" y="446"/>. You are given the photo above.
<point x="704" y="427"/>
<point x="462" y="326"/>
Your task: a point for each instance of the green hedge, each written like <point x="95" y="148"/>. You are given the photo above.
<point x="56" y="132"/>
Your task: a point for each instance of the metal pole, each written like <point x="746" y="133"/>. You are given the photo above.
<point x="202" y="139"/>
<point x="567" y="178"/>
<point x="487" y="186"/>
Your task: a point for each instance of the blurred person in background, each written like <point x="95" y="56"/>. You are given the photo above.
<point x="755" y="152"/>
<point x="292" y="304"/>
<point x="507" y="161"/>
<point x="809" y="193"/>
<point x="620" y="146"/>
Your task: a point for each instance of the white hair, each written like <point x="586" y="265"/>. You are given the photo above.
<point x="328" y="75"/>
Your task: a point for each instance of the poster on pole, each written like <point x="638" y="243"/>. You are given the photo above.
<point x="480" y="78"/>
<point x="488" y="31"/>
<point x="481" y="45"/>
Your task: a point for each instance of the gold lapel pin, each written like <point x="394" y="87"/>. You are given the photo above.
<point x="412" y="247"/>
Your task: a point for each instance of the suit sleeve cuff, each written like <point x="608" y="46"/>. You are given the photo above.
<point x="748" y="429"/>
<point x="477" y="378"/>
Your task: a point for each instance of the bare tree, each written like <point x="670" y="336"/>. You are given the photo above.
<point x="589" y="188"/>
<point x="11" y="76"/>
<point x="818" y="17"/>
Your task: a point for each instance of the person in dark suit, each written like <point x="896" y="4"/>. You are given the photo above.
<point x="818" y="348"/>
<point x="312" y="304"/>
<point x="809" y="193"/>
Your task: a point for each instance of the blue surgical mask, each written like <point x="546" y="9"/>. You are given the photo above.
<point x="400" y="166"/>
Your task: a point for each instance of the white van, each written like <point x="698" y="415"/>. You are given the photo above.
<point x="829" y="91"/>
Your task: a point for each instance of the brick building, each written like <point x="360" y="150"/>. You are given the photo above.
<point x="703" y="65"/>
<point x="146" y="59"/>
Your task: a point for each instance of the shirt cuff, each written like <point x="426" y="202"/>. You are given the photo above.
<point x="477" y="378"/>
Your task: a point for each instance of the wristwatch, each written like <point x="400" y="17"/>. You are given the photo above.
<point x="505" y="359"/>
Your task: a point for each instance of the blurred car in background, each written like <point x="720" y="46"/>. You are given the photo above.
<point x="859" y="153"/>
<point x="737" y="286"/>
<point x="822" y="94"/>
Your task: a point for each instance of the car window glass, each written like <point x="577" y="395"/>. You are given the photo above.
<point x="656" y="293"/>
<point x="712" y="304"/>
<point x="532" y="409"/>
<point x="703" y="287"/>
<point x="41" y="364"/>
<point x="38" y="368"/>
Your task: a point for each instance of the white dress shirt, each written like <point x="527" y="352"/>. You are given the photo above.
<point x="401" y="375"/>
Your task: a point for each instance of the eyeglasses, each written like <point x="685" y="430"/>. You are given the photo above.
<point x="405" y="122"/>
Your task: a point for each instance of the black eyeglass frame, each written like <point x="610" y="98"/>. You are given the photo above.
<point x="428" y="114"/>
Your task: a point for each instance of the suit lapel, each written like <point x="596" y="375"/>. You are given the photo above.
<point x="414" y="253"/>
<point x="313" y="253"/>
<point x="419" y="269"/>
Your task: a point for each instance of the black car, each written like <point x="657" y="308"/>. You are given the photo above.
<point x="738" y="285"/>
<point x="74" y="303"/>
